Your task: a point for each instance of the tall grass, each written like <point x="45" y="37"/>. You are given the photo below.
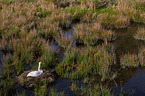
<point x="140" y="33"/>
<point x="113" y="21"/>
<point x="131" y="9"/>
<point x="69" y="63"/>
<point x="130" y="60"/>
<point x="89" y="34"/>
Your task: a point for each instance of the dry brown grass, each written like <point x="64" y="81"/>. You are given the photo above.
<point x="113" y="21"/>
<point x="131" y="9"/>
<point x="140" y="33"/>
<point x="61" y="19"/>
<point x="130" y="60"/>
<point x="90" y="33"/>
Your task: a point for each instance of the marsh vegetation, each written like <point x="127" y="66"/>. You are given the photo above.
<point x="102" y="42"/>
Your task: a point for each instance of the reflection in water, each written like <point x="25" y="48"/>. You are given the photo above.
<point x="1" y="62"/>
<point x="128" y="80"/>
<point x="135" y="86"/>
<point x="64" y="85"/>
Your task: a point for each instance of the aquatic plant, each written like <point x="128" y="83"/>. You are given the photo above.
<point x="140" y="33"/>
<point x="7" y="87"/>
<point x="69" y="63"/>
<point x="90" y="33"/>
<point x="74" y="88"/>
<point x="141" y="57"/>
<point x="53" y="93"/>
<point x="130" y="60"/>
<point x="47" y="30"/>
<point x="113" y="21"/>
<point x="131" y="8"/>
<point x="48" y="58"/>
<point x="64" y="41"/>
<point x="61" y="19"/>
<point x="94" y="61"/>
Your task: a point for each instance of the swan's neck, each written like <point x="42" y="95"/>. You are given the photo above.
<point x="39" y="66"/>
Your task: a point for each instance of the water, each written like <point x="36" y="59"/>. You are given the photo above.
<point x="134" y="86"/>
<point x="1" y="62"/>
<point x="64" y="85"/>
<point x="128" y="80"/>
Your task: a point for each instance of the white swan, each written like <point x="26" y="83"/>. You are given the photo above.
<point x="35" y="73"/>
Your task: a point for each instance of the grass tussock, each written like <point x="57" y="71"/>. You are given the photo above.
<point x="113" y="21"/>
<point x="81" y="63"/>
<point x="130" y="60"/>
<point x="89" y="34"/>
<point x="47" y="30"/>
<point x="140" y="33"/>
<point x="61" y="19"/>
<point x="69" y="63"/>
<point x="64" y="41"/>
<point x="131" y="8"/>
<point x="142" y="56"/>
<point x="48" y="58"/>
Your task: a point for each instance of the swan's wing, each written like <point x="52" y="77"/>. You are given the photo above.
<point x="34" y="73"/>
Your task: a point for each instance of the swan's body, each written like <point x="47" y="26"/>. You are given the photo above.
<point x="35" y="73"/>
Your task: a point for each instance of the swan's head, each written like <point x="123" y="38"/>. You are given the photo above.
<point x="39" y="62"/>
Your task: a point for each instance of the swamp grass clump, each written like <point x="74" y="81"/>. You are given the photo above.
<point x="8" y="66"/>
<point x="133" y="9"/>
<point x="68" y="65"/>
<point x="61" y="19"/>
<point x="140" y="33"/>
<point x="92" y="4"/>
<point x="94" y="61"/>
<point x="129" y="60"/>
<point x="48" y="30"/>
<point x="48" y="58"/>
<point x="89" y="34"/>
<point x="142" y="57"/>
<point x="85" y="62"/>
<point x="113" y="21"/>
<point x="7" y="88"/>
<point x="54" y="93"/>
<point x="64" y="41"/>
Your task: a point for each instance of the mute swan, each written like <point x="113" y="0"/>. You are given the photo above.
<point x="35" y="73"/>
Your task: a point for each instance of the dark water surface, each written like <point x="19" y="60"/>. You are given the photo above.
<point x="130" y="81"/>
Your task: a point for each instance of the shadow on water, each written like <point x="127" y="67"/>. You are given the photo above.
<point x="64" y="85"/>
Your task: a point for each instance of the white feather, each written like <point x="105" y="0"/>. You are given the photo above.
<point x="35" y="73"/>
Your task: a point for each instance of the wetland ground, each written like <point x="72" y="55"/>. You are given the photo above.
<point x="96" y="47"/>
